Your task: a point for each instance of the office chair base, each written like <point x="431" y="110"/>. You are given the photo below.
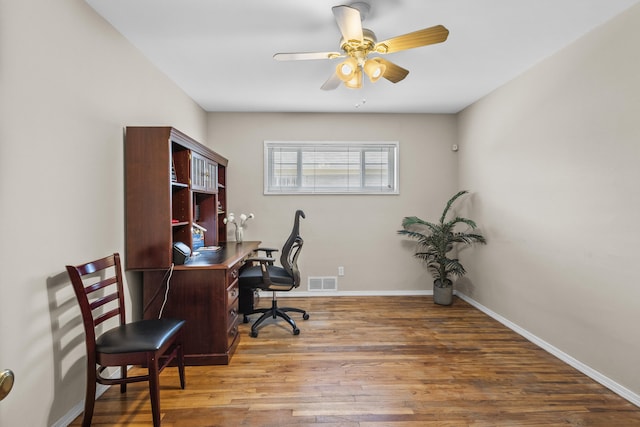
<point x="274" y="312"/>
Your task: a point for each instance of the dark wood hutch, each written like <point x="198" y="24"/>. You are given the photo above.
<point x="175" y="186"/>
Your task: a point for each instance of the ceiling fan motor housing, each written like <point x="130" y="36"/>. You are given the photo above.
<point x="360" y="49"/>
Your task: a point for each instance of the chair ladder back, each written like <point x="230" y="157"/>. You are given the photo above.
<point x="83" y="292"/>
<point x="115" y="294"/>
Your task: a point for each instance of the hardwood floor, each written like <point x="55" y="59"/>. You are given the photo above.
<point x="378" y="361"/>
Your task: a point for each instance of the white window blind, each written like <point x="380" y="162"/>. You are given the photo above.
<point x="330" y="167"/>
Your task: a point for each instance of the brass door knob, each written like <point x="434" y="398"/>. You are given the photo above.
<point x="6" y="382"/>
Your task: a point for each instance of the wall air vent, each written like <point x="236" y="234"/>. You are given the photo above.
<point x="323" y="283"/>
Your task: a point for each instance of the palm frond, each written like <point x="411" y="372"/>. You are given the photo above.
<point x="457" y="220"/>
<point x="411" y="222"/>
<point x="468" y="238"/>
<point x="449" y="203"/>
<point x="454" y="267"/>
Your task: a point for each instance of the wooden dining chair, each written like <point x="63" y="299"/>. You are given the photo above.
<point x="154" y="343"/>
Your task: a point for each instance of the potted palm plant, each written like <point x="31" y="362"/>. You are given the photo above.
<point x="435" y="241"/>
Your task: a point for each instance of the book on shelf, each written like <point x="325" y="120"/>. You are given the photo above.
<point x="174" y="177"/>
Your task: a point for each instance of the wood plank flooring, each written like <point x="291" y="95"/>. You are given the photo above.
<point x="373" y="362"/>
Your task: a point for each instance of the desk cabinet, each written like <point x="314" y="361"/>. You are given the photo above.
<point x="205" y="294"/>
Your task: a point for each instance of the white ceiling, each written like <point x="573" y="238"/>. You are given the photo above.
<point x="220" y="52"/>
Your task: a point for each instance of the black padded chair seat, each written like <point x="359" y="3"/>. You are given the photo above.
<point x="252" y="278"/>
<point x="144" y="335"/>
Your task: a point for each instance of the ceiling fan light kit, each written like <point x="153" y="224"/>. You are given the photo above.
<point x="356" y="81"/>
<point x="357" y="43"/>
<point x="374" y="68"/>
<point x="347" y="70"/>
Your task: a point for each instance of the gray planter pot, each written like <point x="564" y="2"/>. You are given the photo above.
<point x="443" y="294"/>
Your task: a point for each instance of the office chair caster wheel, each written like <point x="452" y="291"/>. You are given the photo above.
<point x="296" y="331"/>
<point x="305" y="316"/>
<point x="253" y="334"/>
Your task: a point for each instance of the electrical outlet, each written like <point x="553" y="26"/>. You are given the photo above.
<point x="341" y="271"/>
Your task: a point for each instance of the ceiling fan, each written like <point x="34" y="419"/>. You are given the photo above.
<point x="358" y="43"/>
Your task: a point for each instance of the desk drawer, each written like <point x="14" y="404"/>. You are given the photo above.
<point x="232" y="332"/>
<point x="232" y="313"/>
<point x="232" y="293"/>
<point x="233" y="272"/>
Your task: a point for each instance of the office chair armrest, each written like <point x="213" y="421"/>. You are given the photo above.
<point x="260" y="259"/>
<point x="269" y="251"/>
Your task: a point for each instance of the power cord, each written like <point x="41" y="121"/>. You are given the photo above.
<point x="155" y="295"/>
<point x="166" y="292"/>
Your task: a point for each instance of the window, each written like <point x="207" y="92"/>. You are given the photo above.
<point x="330" y="167"/>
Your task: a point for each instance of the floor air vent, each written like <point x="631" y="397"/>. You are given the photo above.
<point x="323" y="283"/>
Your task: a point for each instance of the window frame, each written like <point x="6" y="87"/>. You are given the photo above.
<point x="391" y="167"/>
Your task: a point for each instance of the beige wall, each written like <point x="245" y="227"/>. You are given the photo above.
<point x="69" y="84"/>
<point x="357" y="232"/>
<point x="553" y="159"/>
<point x="550" y="157"/>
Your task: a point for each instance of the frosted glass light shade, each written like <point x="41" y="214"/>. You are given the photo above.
<point x="375" y="69"/>
<point x="356" y="81"/>
<point x="347" y="70"/>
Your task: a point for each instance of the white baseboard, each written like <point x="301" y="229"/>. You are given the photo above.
<point x="571" y="361"/>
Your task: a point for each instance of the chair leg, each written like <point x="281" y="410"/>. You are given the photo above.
<point x="123" y="375"/>
<point x="254" y="327"/>
<point x="90" y="393"/>
<point x="305" y="316"/>
<point x="181" y="365"/>
<point x="245" y="319"/>
<point x="266" y="313"/>
<point x="154" y="388"/>
<point x="289" y="320"/>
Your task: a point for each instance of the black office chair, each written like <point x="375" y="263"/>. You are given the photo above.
<point x="99" y="289"/>
<point x="269" y="277"/>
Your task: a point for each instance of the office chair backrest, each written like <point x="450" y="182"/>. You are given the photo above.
<point x="291" y="250"/>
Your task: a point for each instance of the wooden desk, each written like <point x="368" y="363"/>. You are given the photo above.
<point x="204" y="292"/>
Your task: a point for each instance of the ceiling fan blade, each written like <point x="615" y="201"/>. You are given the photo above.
<point x="301" y="56"/>
<point x="332" y="83"/>
<point x="424" y="37"/>
<point x="349" y="22"/>
<point x="394" y="73"/>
